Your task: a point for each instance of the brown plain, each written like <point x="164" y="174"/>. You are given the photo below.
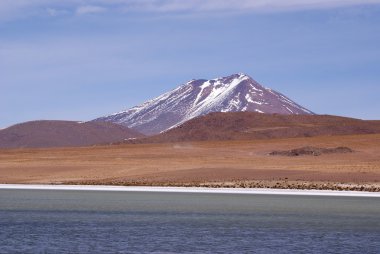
<point x="239" y="163"/>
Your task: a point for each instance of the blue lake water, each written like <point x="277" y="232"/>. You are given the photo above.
<point x="64" y="221"/>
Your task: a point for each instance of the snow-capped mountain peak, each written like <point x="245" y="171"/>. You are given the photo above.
<point x="237" y="92"/>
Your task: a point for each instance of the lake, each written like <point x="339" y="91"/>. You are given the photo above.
<point x="72" y="221"/>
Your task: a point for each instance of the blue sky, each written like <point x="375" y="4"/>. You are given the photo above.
<point x="81" y="59"/>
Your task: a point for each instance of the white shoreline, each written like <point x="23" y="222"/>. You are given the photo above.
<point x="256" y="191"/>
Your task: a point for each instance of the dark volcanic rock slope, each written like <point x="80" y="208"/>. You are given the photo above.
<point x="250" y="125"/>
<point x="234" y="93"/>
<point x="63" y="133"/>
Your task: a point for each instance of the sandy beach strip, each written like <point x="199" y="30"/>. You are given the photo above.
<point x="254" y="191"/>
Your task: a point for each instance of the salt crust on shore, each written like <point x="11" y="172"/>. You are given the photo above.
<point x="255" y="191"/>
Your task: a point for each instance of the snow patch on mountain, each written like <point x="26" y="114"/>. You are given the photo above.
<point x="237" y="92"/>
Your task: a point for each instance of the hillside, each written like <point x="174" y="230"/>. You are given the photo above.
<point x="63" y="134"/>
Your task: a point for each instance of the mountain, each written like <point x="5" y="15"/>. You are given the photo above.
<point x="63" y="133"/>
<point x="251" y="125"/>
<point x="234" y="93"/>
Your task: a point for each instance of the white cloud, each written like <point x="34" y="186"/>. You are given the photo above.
<point x="89" y="9"/>
<point x="14" y="9"/>
<point x="241" y="5"/>
<point x="55" y="12"/>
<point x="52" y="11"/>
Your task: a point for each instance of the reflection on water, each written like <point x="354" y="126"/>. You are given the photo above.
<point x="33" y="221"/>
